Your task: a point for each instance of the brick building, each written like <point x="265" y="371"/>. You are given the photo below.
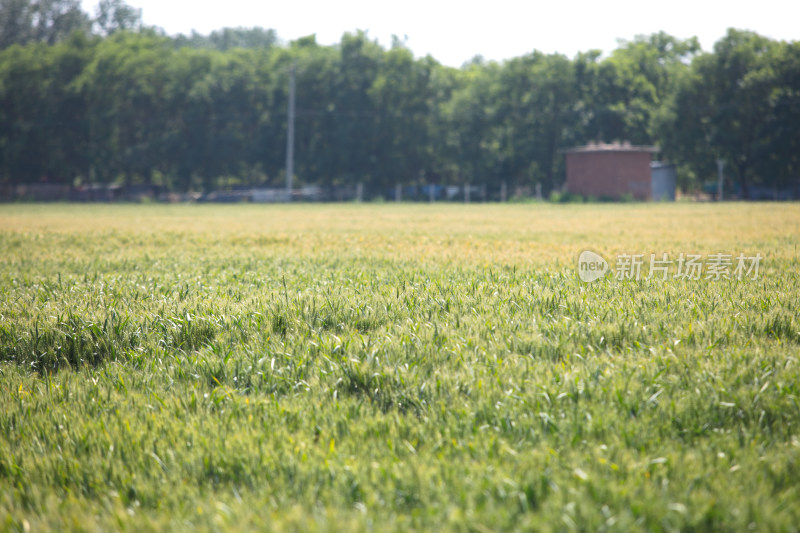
<point x="610" y="170"/>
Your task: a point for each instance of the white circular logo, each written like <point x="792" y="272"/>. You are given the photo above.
<point x="591" y="266"/>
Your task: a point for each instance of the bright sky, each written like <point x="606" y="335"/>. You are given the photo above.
<point x="455" y="31"/>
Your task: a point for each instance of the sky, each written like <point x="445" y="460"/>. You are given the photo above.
<point x="454" y="32"/>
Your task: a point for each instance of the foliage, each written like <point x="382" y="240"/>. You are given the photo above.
<point x="43" y="21"/>
<point x="734" y="106"/>
<point x="229" y="38"/>
<point x="115" y="15"/>
<point x="130" y="105"/>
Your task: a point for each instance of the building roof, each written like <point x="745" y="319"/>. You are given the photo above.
<point x="614" y="147"/>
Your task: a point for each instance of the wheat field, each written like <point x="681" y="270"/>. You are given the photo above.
<point x="394" y="368"/>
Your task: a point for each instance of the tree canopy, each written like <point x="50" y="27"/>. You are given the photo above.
<point x="104" y="99"/>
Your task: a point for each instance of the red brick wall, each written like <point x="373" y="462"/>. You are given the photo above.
<point x="609" y="174"/>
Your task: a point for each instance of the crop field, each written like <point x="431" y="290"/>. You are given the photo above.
<point x="395" y="368"/>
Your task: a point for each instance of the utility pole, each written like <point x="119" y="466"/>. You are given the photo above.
<point x="290" y="137"/>
<point x="720" y="178"/>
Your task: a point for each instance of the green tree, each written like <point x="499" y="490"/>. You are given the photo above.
<point x="781" y="164"/>
<point x="125" y="86"/>
<point x="42" y="21"/>
<point x="472" y="134"/>
<point x="229" y="38"/>
<point x="738" y="104"/>
<point x="354" y="129"/>
<point x="532" y="115"/>
<point x="43" y="116"/>
<point x="25" y="109"/>
<point x="16" y="22"/>
<point x="115" y="15"/>
<point x="401" y="97"/>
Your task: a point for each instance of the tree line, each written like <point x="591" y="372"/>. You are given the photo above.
<point x="104" y="99"/>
